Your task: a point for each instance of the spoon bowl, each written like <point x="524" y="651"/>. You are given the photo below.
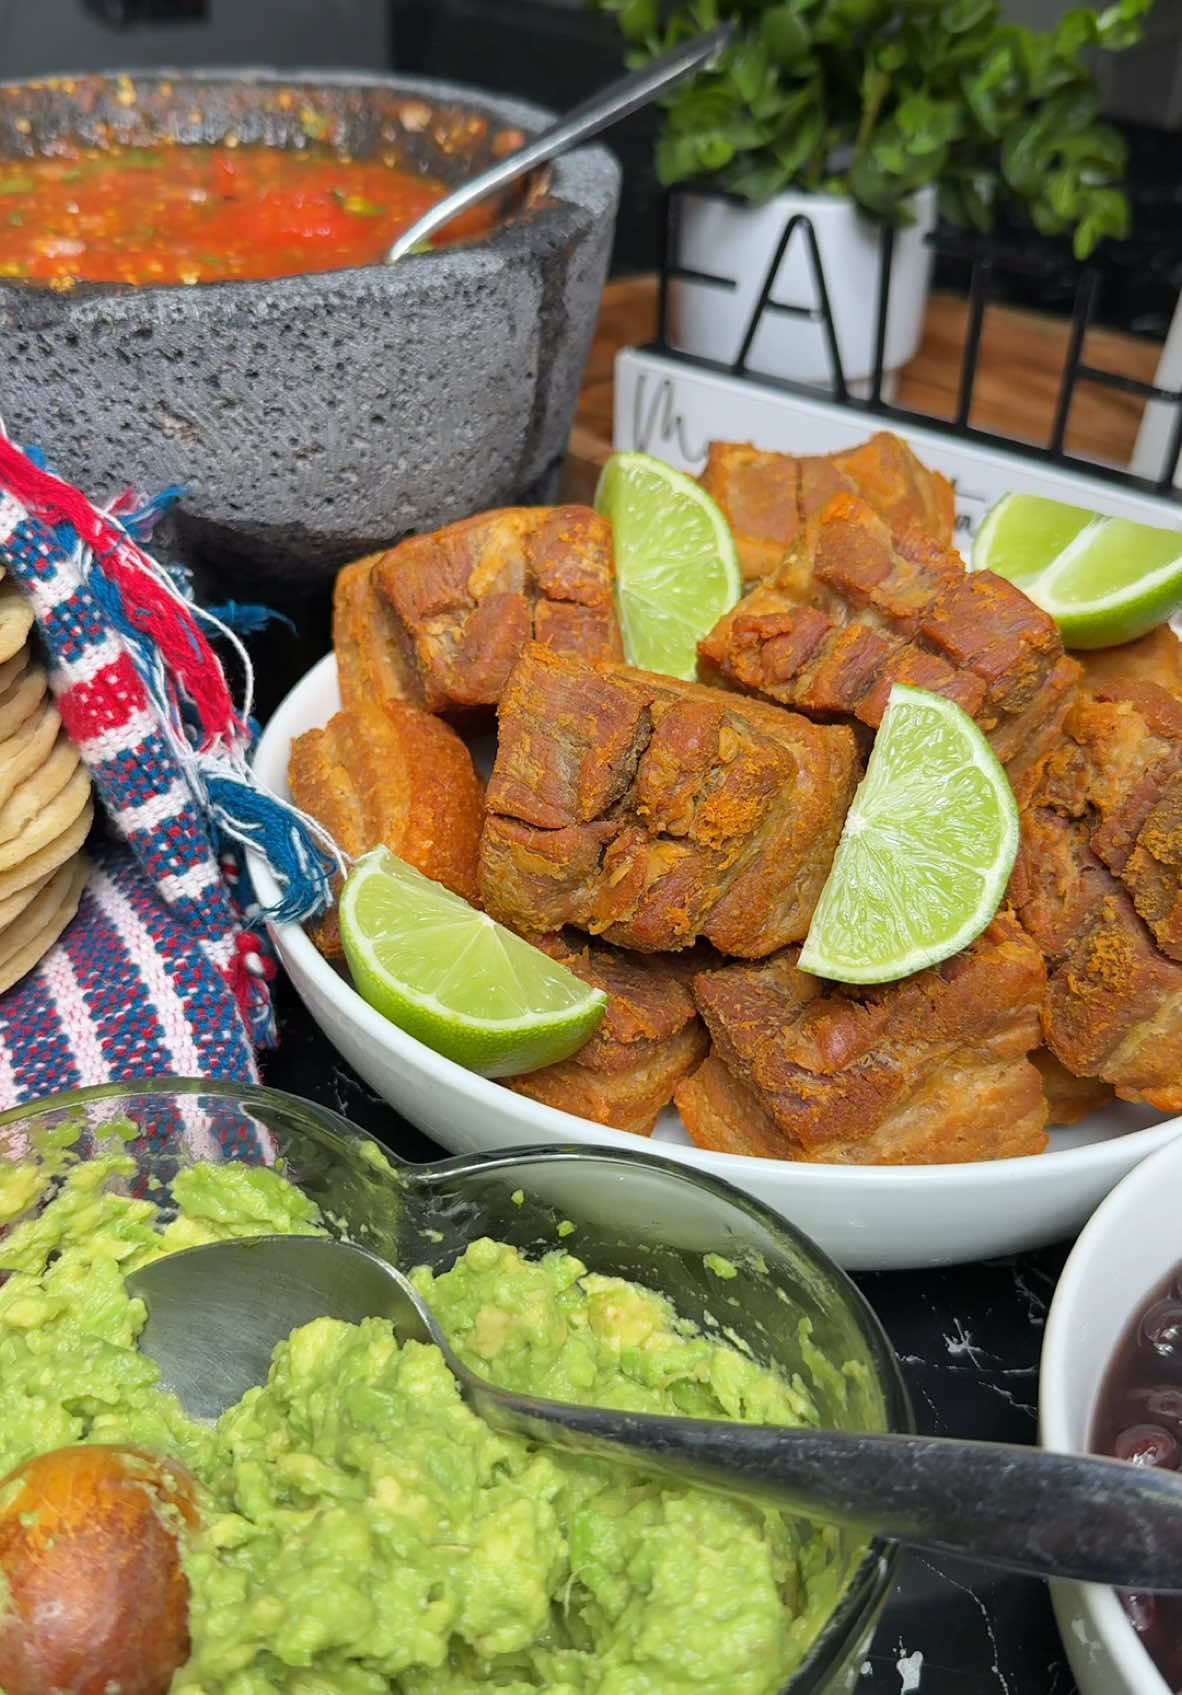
<point x="1052" y="1515"/>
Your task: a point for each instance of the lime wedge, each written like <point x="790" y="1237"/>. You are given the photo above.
<point x="454" y="978"/>
<point x="1103" y="580"/>
<point x="677" y="571"/>
<point x="926" y="851"/>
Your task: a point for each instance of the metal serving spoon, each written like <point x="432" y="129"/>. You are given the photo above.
<point x="216" y="1312"/>
<point x="618" y="100"/>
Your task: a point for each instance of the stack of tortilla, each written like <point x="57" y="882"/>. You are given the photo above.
<point x="46" y="807"/>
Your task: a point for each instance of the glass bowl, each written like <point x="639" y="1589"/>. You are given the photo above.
<point x="633" y="1215"/>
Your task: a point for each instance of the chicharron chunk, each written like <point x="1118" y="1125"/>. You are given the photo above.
<point x="1153" y="658"/>
<point x="390" y="775"/>
<point x="931" y="1069"/>
<point x="441" y="619"/>
<point x="769" y="497"/>
<point x="1098" y="884"/>
<point x="651" y="1037"/>
<point x="853" y="609"/>
<point x="656" y="813"/>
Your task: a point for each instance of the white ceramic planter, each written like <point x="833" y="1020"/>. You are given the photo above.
<point x="735" y="244"/>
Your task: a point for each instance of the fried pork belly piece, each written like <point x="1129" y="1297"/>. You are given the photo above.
<point x="394" y="776"/>
<point x="650" y="1038"/>
<point x="1155" y="658"/>
<point x="440" y="620"/>
<point x="1097" y="884"/>
<point x="928" y="1070"/>
<point x="853" y="609"/>
<point x="898" y="486"/>
<point x="1069" y="1098"/>
<point x="769" y="497"/>
<point x="1116" y="774"/>
<point x="759" y="495"/>
<point x="656" y="813"/>
<point x="371" y="662"/>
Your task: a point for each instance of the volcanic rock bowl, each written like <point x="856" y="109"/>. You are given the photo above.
<point x="316" y="417"/>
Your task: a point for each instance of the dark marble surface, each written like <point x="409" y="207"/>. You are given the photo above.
<point x="968" y="1338"/>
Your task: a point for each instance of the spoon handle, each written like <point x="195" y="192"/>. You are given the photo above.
<point x="1049" y="1514"/>
<point x="620" y="98"/>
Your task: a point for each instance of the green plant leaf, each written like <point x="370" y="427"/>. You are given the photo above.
<point x="889" y="57"/>
<point x="925" y="125"/>
<point x="1072" y="110"/>
<point x="959" y="16"/>
<point x="875" y="98"/>
<point x="679" y="158"/>
<point x="756" y="177"/>
<point x="748" y="69"/>
<point x="985" y="107"/>
<point x="977" y="202"/>
<point x="638" y="19"/>
<point x="798" y="141"/>
<point x="1107" y="151"/>
<point x="785" y="35"/>
<point x="843" y="20"/>
<point x="1022" y="154"/>
<point x="714" y="151"/>
<point x="888" y="155"/>
<point x="702" y="107"/>
<point x="1075" y="30"/>
<point x="1120" y="26"/>
<point x="1107" y="217"/>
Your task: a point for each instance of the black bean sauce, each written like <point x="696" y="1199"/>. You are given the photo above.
<point x="1138" y="1417"/>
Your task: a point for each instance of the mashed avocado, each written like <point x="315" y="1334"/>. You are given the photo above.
<point x="362" y="1531"/>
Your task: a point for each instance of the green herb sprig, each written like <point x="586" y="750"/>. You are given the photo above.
<point x="876" y="98"/>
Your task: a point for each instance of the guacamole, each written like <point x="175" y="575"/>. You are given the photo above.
<point x="362" y="1531"/>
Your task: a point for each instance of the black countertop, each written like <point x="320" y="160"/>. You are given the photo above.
<point x="968" y="1338"/>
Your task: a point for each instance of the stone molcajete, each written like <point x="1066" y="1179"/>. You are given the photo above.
<point x="319" y="416"/>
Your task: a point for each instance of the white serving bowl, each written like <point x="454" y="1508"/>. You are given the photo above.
<point x="868" y="1218"/>
<point x="1130" y="1245"/>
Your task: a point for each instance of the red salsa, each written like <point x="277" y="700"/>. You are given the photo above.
<point x="181" y="214"/>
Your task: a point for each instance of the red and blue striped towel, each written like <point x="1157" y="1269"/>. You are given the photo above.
<point x="160" y="971"/>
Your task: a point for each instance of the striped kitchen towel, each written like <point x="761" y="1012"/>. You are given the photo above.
<point x="162" y="970"/>
<point x="124" y="994"/>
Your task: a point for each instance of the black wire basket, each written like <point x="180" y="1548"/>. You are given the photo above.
<point x="990" y="261"/>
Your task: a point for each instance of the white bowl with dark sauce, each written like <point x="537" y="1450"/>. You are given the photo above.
<point x="1111" y="1382"/>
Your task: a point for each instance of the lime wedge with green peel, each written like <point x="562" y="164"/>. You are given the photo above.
<point x="677" y="571"/>
<point x="1103" y="580"/>
<point x="926" y="851"/>
<point x="454" y="978"/>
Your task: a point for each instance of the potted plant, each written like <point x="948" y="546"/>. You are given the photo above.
<point x="858" y="113"/>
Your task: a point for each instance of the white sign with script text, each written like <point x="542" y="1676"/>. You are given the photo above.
<point x="674" y="410"/>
